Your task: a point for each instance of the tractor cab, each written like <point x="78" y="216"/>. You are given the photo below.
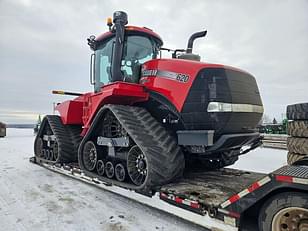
<point x="119" y="53"/>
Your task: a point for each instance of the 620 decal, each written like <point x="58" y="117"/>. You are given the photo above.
<point x="182" y="78"/>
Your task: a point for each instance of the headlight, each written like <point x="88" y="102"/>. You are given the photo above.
<point x="232" y="107"/>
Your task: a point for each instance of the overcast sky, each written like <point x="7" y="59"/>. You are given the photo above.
<point x="43" y="45"/>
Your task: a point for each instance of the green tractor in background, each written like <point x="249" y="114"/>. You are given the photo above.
<point x="274" y="128"/>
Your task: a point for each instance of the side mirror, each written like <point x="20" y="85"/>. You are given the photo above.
<point x="92" y="69"/>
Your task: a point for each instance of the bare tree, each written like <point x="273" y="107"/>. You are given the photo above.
<point x="266" y="119"/>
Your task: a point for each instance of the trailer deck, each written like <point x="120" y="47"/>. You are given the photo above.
<point x="212" y="188"/>
<point x="72" y="171"/>
<point x="224" y="194"/>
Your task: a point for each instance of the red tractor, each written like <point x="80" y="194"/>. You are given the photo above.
<point x="149" y="116"/>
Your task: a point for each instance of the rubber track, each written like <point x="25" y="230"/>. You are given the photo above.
<point x="298" y="128"/>
<point x="165" y="158"/>
<point x="297" y="111"/>
<point x="67" y="152"/>
<point x="294" y="157"/>
<point x="298" y="145"/>
<point x="74" y="133"/>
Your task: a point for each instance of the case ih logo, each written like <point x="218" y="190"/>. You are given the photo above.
<point x="183" y="78"/>
<point x="146" y="73"/>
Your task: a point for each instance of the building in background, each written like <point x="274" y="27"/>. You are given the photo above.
<point x="2" y="129"/>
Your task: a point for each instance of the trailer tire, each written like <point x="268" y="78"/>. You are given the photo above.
<point x="297" y="111"/>
<point x="298" y="128"/>
<point x="294" y="157"/>
<point x="298" y="145"/>
<point x="281" y="208"/>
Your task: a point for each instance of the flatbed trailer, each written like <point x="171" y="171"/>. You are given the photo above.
<point x="234" y="199"/>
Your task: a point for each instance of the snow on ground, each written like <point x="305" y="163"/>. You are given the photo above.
<point x="33" y="198"/>
<point x="262" y="160"/>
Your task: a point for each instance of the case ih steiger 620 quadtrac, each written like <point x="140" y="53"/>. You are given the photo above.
<point x="166" y="128"/>
<point x="149" y="118"/>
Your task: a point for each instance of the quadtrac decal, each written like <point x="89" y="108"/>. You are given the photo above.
<point x="183" y="78"/>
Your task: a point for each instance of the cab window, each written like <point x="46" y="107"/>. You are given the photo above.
<point x="103" y="59"/>
<point x="137" y="50"/>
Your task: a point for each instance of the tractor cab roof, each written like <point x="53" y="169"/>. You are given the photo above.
<point x="132" y="30"/>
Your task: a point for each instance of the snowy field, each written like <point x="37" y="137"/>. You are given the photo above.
<point x="33" y="198"/>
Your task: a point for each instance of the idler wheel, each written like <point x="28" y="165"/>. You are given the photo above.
<point x="89" y="156"/>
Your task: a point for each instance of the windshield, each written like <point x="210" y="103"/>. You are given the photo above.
<point x="136" y="51"/>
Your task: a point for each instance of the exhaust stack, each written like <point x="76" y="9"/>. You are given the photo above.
<point x="119" y="20"/>
<point x="192" y="39"/>
<point x="189" y="55"/>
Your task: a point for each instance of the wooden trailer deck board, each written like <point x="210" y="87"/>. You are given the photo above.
<point x="212" y="187"/>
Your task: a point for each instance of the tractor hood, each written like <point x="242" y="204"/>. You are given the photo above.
<point x="208" y="96"/>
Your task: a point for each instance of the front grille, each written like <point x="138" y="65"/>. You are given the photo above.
<point x="221" y="85"/>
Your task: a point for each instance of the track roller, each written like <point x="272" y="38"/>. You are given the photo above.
<point x="51" y="155"/>
<point x="100" y="167"/>
<point x="55" y="150"/>
<point x="47" y="154"/>
<point x="120" y="173"/>
<point x="43" y="155"/>
<point x="109" y="169"/>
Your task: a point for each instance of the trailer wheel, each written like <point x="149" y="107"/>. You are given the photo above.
<point x="285" y="212"/>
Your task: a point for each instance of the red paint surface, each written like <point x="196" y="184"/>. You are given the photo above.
<point x="253" y="187"/>
<point x="288" y="179"/>
<point x="178" y="200"/>
<point x="71" y="111"/>
<point x="83" y="109"/>
<point x="234" y="198"/>
<point x="130" y="28"/>
<point x="234" y="214"/>
<point x="194" y="205"/>
<point x="175" y="91"/>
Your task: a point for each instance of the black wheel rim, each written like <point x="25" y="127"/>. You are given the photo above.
<point x="89" y="156"/>
<point x="120" y="172"/>
<point x="137" y="165"/>
<point x="100" y="167"/>
<point x="109" y="170"/>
